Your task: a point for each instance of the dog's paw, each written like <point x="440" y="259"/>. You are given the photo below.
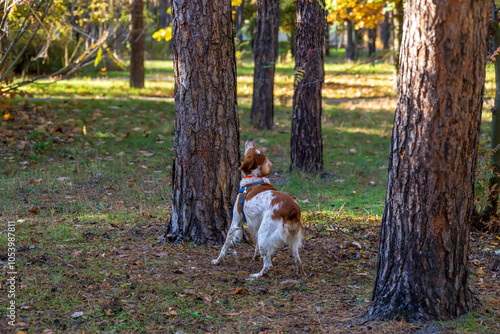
<point x="215" y="261"/>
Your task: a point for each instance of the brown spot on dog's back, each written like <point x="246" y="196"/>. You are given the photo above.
<point x="254" y="191"/>
<point x="287" y="209"/>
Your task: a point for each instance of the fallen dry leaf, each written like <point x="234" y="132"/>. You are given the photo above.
<point x="240" y="291"/>
<point x="235" y="313"/>
<point x="170" y="312"/>
<point x="161" y="254"/>
<point x="76" y="253"/>
<point x="33" y="210"/>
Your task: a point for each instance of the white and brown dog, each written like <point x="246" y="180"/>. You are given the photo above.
<point x="272" y="216"/>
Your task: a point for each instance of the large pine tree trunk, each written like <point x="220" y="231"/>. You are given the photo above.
<point x="306" y="142"/>
<point x="422" y="265"/>
<point x="492" y="209"/>
<point x="265" y="50"/>
<point x="137" y="37"/>
<point x="205" y="171"/>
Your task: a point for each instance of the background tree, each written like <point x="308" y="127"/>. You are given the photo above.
<point x="163" y="17"/>
<point x="205" y="169"/>
<point x="492" y="208"/>
<point x="398" y="18"/>
<point x="351" y="46"/>
<point x="137" y="37"/>
<point x="306" y="142"/>
<point x="422" y="264"/>
<point x="357" y="15"/>
<point x="385" y="33"/>
<point x="265" y="51"/>
<point x="239" y="18"/>
<point x="75" y="34"/>
<point x="372" y="38"/>
<point x="288" y="22"/>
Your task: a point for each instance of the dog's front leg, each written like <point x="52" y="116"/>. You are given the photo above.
<point x="234" y="232"/>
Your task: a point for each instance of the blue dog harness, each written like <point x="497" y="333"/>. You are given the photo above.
<point x="243" y="191"/>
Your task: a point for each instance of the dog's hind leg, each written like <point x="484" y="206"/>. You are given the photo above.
<point x="294" y="241"/>
<point x="298" y="262"/>
<point x="266" y="255"/>
<point x="256" y="254"/>
<point x="234" y="234"/>
<point x="269" y="237"/>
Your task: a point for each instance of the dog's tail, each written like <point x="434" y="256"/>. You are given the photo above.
<point x="292" y="234"/>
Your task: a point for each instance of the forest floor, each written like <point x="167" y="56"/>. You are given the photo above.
<point x="85" y="177"/>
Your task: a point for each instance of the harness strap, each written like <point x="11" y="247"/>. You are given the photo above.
<point x="243" y="191"/>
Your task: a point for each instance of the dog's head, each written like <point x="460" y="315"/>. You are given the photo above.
<point x="256" y="162"/>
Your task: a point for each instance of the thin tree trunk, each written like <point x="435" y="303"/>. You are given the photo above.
<point x="398" y="17"/>
<point x="5" y="41"/>
<point x="163" y="17"/>
<point x="205" y="170"/>
<point x="137" y="37"/>
<point x="372" y="38"/>
<point x="492" y="209"/>
<point x="265" y="53"/>
<point x="350" y="50"/>
<point x="306" y="142"/>
<point x="327" y="40"/>
<point x="386" y="31"/>
<point x="422" y="264"/>
<point x="239" y="23"/>
<point x="358" y="34"/>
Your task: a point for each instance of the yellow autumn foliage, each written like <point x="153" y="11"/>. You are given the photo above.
<point x="364" y="13"/>
<point x="163" y="34"/>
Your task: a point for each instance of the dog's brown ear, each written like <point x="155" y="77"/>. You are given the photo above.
<point x="252" y="160"/>
<point x="246" y="166"/>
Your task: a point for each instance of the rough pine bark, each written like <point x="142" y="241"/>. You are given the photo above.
<point x="205" y="170"/>
<point x="306" y="142"/>
<point x="265" y="51"/>
<point x="422" y="264"/>
<point x="137" y="37"/>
